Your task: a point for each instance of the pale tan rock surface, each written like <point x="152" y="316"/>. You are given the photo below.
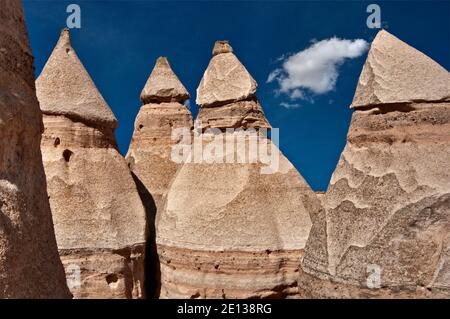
<point x="225" y="80"/>
<point x="395" y="72"/>
<point x="99" y="219"/>
<point x="227" y="230"/>
<point x="149" y="154"/>
<point x="386" y="225"/>
<point x="83" y="102"/>
<point x="240" y="114"/>
<point x="163" y="85"/>
<point x="29" y="263"/>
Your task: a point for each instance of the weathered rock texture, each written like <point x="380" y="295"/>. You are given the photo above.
<point x="225" y="80"/>
<point x="100" y="221"/>
<point x="385" y="230"/>
<point x="149" y="154"/>
<point x="29" y="263"/>
<point x="227" y="230"/>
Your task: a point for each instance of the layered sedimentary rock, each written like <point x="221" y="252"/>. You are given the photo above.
<point x="100" y="221"/>
<point x="232" y="228"/>
<point x="29" y="263"/>
<point x="385" y="231"/>
<point x="149" y="154"/>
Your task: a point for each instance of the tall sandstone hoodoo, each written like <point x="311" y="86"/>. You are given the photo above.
<point x="385" y="231"/>
<point x="99" y="219"/>
<point x="149" y="154"/>
<point x="29" y="263"/>
<point x="228" y="230"/>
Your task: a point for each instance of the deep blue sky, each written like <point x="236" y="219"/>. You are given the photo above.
<point x="119" y="42"/>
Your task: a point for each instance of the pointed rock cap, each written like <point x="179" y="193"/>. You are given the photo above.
<point x="163" y="85"/>
<point x="222" y="47"/>
<point x="64" y="87"/>
<point x="395" y="72"/>
<point x="225" y="80"/>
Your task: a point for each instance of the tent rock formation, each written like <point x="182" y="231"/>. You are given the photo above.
<point x="100" y="221"/>
<point x="386" y="225"/>
<point x="149" y="154"/>
<point x="228" y="231"/>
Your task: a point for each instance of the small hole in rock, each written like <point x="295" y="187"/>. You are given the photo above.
<point x="67" y="154"/>
<point x="67" y="50"/>
<point x="57" y="141"/>
<point x="111" y="278"/>
<point x="141" y="126"/>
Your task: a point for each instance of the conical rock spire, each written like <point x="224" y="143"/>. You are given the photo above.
<point x="150" y="148"/>
<point x="64" y="87"/>
<point x="163" y="85"/>
<point x="227" y="229"/>
<point x="100" y="221"/>
<point x="384" y="230"/>
<point x="395" y="72"/>
<point x="227" y="93"/>
<point x="225" y="80"/>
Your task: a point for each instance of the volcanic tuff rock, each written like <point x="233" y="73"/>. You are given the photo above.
<point x="149" y="155"/>
<point x="100" y="221"/>
<point x="395" y="72"/>
<point x="163" y="85"/>
<point x="227" y="230"/>
<point x="225" y="80"/>
<point x="385" y="231"/>
<point x="29" y="263"/>
<point x="227" y="93"/>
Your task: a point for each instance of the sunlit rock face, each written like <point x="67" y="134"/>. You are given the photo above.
<point x="386" y="225"/>
<point x="29" y="263"/>
<point x="99" y="219"/>
<point x="149" y="154"/>
<point x="232" y="228"/>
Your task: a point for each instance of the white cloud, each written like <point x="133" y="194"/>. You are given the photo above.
<point x="290" y="105"/>
<point x="315" y="68"/>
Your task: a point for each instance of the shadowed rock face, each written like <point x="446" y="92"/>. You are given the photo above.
<point x="387" y="208"/>
<point x="100" y="221"/>
<point x="227" y="230"/>
<point x="29" y="263"/>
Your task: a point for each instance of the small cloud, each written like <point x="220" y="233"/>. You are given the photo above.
<point x="290" y="105"/>
<point x="315" y="69"/>
<point x="273" y="75"/>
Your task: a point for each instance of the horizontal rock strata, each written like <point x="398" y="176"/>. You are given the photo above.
<point x="227" y="229"/>
<point x="387" y="222"/>
<point x="99" y="219"/>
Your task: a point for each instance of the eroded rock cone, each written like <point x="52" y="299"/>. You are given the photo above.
<point x="386" y="229"/>
<point x="229" y="230"/>
<point x="149" y="154"/>
<point x="29" y="263"/>
<point x="99" y="219"/>
<point x="227" y="93"/>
